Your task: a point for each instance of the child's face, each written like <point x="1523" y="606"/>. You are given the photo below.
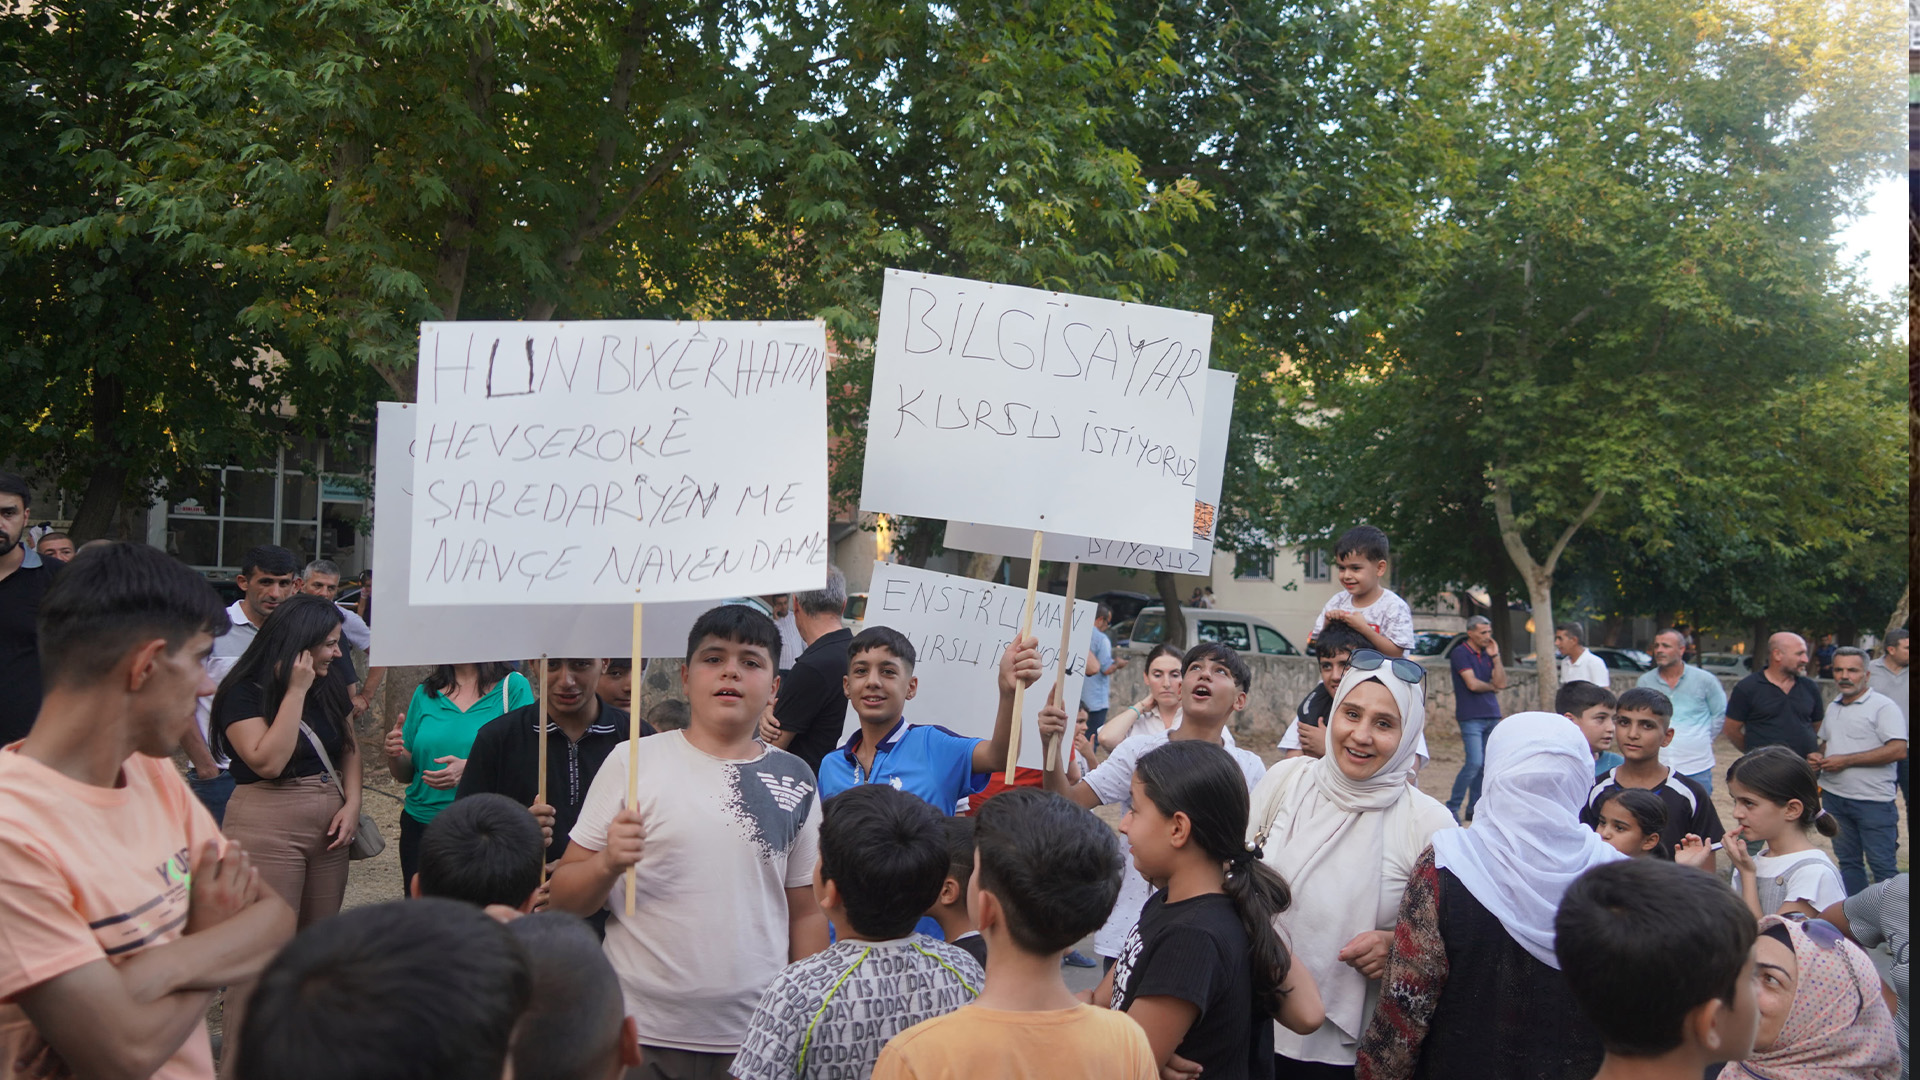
<point x="1359" y="575"/>
<point x="1597" y="725"/>
<point x="1776" y="978"/>
<point x="1364" y="732"/>
<point x="1639" y="734"/>
<point x="879" y="684"/>
<point x="728" y="683"/>
<point x="616" y="688"/>
<point x="1761" y="818"/>
<point x="1619" y="829"/>
<point x="1333" y="669"/>
<point x="1163" y="682"/>
<point x="1209" y="693"/>
<point x="1154" y="837"/>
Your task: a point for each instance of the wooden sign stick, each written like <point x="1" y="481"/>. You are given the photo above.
<point x="633" y="749"/>
<point x="1054" y="748"/>
<point x="542" y="729"/>
<point x="1026" y="628"/>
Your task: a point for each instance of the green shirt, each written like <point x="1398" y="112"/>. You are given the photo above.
<point x="438" y="728"/>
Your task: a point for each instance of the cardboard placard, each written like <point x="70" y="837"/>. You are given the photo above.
<point x="960" y="627"/>
<point x="1196" y="559"/>
<point x="1035" y="410"/>
<point x="618" y="462"/>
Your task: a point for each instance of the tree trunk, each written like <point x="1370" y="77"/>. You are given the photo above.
<point x="1169" y="590"/>
<point x="1538" y="576"/>
<point x="107" y="478"/>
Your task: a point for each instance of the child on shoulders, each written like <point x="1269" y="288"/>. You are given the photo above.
<point x="1364" y="604"/>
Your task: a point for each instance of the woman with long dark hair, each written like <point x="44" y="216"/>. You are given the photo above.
<point x="291" y="817"/>
<point x="1204" y="972"/>
<point x="428" y="747"/>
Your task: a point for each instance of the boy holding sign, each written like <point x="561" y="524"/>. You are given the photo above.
<point x="724" y="837"/>
<point x="924" y="760"/>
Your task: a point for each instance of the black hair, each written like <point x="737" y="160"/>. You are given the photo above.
<point x="1580" y="695"/>
<point x="1335" y="638"/>
<point x="1053" y="866"/>
<point x="484" y="849"/>
<point x="572" y="1026"/>
<point x="1102" y="611"/>
<point x="1895" y="637"/>
<point x="489" y="675"/>
<point x="1780" y="776"/>
<point x="393" y="991"/>
<point x="1202" y="781"/>
<point x="301" y="622"/>
<point x="1645" y="808"/>
<point x="12" y="484"/>
<point x="885" y="851"/>
<point x="109" y="599"/>
<point x="669" y="715"/>
<point x="959" y="832"/>
<point x="1363" y="540"/>
<point x="883" y="637"/>
<point x="1575" y="630"/>
<point x="741" y="624"/>
<point x="618" y="664"/>
<point x="1165" y="648"/>
<point x="1225" y="656"/>
<point x="269" y="559"/>
<point x="1642" y="943"/>
<point x="1647" y="699"/>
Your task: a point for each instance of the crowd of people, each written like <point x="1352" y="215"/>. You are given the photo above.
<point x="758" y="888"/>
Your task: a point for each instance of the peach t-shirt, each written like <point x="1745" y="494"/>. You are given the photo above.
<point x="92" y="872"/>
<point x="1062" y="1044"/>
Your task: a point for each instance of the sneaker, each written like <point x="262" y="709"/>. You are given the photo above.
<point x="1075" y="958"/>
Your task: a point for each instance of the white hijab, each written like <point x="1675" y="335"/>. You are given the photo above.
<point x="1526" y="844"/>
<point x="1330" y="846"/>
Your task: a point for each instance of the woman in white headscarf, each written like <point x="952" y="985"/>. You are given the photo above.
<point x="1473" y="988"/>
<point x="1345" y="831"/>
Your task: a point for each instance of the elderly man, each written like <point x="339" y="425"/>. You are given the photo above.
<point x="1777" y="705"/>
<point x="1699" y="707"/>
<point x="1865" y="734"/>
<point x="1889" y="676"/>
<point x="1577" y="662"/>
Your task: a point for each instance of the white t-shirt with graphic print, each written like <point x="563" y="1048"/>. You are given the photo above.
<point x="1389" y="616"/>
<point x="724" y="841"/>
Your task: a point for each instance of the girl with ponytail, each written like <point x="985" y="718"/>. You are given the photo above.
<point x="1776" y="800"/>
<point x="1204" y="972"/>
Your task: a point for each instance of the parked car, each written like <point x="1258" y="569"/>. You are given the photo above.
<point x="1124" y="604"/>
<point x="1243" y="633"/>
<point x="1436" y="642"/>
<point x="1725" y="663"/>
<point x="1624" y="659"/>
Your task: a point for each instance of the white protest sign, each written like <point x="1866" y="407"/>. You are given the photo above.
<point x="404" y="633"/>
<point x="959" y="628"/>
<point x="1035" y="410"/>
<point x="1194" y="559"/>
<point x="618" y="462"/>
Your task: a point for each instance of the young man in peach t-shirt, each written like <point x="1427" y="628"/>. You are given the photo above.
<point x="121" y="908"/>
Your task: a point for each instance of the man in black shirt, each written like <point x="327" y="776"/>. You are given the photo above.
<point x="811" y="708"/>
<point x="1777" y="705"/>
<point x="24" y="579"/>
<point x="582" y="731"/>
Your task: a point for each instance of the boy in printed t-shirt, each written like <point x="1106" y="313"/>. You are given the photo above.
<point x="723" y="840"/>
<point x="1374" y="611"/>
<point x="1045" y="873"/>
<point x="1641" y="729"/>
<point x="122" y="910"/>
<point x="883" y="858"/>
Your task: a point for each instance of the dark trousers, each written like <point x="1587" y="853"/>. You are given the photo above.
<point x="213" y="793"/>
<point x="411" y="830"/>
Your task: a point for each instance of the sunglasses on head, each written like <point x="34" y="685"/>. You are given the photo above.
<point x="1407" y="671"/>
<point x="1824" y="934"/>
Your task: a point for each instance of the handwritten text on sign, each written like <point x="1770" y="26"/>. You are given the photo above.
<point x="1035" y="410"/>
<point x="1195" y="557"/>
<point x="615" y="462"/>
<point x="960" y="627"/>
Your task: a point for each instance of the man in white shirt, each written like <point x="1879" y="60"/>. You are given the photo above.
<point x="1577" y="662"/>
<point x="1865" y="733"/>
<point x="1888" y="673"/>
<point x="1699" y="707"/>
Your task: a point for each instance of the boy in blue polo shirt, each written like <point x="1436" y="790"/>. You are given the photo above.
<point x="924" y="760"/>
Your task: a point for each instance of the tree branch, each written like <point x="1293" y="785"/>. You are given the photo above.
<point x="1560" y="545"/>
<point x="1510" y="537"/>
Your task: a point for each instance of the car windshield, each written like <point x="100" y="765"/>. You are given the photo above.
<point x="1150" y="628"/>
<point x="1430" y="642"/>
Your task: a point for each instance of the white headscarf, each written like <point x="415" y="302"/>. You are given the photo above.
<point x="1331" y="848"/>
<point x="1526" y="844"/>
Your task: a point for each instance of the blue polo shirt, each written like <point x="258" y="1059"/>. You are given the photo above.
<point x="925" y="760"/>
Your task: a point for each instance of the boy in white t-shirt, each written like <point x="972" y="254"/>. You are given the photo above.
<point x="1374" y="611"/>
<point x="724" y="837"/>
